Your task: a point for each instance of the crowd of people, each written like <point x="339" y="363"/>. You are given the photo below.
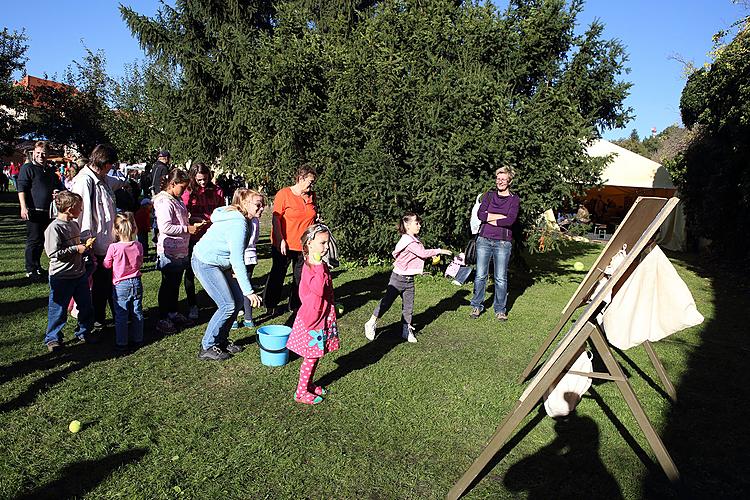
<point x="94" y="226"/>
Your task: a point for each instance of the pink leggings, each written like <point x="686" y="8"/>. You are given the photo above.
<point x="306" y="391"/>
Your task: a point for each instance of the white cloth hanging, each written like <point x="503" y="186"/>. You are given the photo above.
<point x="653" y="303"/>
<point x="563" y="397"/>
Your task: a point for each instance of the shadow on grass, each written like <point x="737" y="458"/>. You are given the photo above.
<point x="374" y="351"/>
<point x="706" y="428"/>
<point x="77" y="479"/>
<point x="79" y="355"/>
<point x="568" y="467"/>
<point x="24" y="306"/>
<point x="356" y="293"/>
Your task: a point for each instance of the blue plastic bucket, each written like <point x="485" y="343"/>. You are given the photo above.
<point x="272" y="342"/>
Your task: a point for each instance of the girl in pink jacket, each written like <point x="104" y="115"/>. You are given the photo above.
<point x="410" y="255"/>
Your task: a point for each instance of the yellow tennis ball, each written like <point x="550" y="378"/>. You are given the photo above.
<point x="435" y="260"/>
<point x="74" y="426"/>
<point x="578" y="266"/>
<point x="317" y="257"/>
<point x="339" y="309"/>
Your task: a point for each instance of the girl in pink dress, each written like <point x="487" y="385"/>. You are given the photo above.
<point x="314" y="332"/>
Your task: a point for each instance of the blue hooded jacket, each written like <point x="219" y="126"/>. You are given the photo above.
<point x="224" y="244"/>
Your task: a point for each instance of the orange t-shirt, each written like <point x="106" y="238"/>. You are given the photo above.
<point x="295" y="214"/>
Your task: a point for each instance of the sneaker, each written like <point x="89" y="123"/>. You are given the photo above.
<point x="91" y="338"/>
<point x="179" y="320"/>
<point x="501" y="316"/>
<point x="242" y="323"/>
<point x="98" y="327"/>
<point x="165" y="326"/>
<point x="475" y="312"/>
<point x="231" y="348"/>
<point x="408" y="334"/>
<point x="370" y="330"/>
<point x="54" y="345"/>
<point x="213" y="353"/>
<point x="194" y="313"/>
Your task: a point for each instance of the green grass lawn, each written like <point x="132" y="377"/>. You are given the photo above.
<point x="401" y="421"/>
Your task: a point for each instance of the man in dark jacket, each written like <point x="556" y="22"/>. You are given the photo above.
<point x="160" y="171"/>
<point x="37" y="184"/>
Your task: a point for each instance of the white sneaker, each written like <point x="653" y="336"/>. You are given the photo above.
<point x="370" y="331"/>
<point x="194" y="313"/>
<point x="409" y="334"/>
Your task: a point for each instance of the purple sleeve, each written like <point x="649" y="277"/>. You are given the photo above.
<point x="482" y="212"/>
<point x="512" y="212"/>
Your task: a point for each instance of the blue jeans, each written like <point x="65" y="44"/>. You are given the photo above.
<point x="499" y="251"/>
<point x="128" y="298"/>
<point x="225" y="291"/>
<point x="61" y="291"/>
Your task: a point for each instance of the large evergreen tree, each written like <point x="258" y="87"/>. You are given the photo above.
<point x="713" y="173"/>
<point x="401" y="104"/>
<point x="12" y="59"/>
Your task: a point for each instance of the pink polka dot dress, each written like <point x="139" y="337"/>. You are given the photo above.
<point x="314" y="332"/>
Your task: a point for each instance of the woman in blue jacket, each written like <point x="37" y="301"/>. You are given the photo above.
<point x="218" y="262"/>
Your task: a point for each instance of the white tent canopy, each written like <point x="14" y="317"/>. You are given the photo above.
<point x="630" y="169"/>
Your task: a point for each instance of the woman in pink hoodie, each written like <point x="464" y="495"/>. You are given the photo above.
<point x="410" y="255"/>
<point x="172" y="248"/>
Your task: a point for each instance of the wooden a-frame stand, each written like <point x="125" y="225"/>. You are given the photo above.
<point x="636" y="231"/>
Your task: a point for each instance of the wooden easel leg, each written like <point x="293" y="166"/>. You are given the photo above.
<point x="659" y="367"/>
<point x="519" y="412"/>
<point x="662" y="455"/>
<point x="542" y="349"/>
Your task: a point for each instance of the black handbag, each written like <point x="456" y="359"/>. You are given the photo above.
<point x="470" y="255"/>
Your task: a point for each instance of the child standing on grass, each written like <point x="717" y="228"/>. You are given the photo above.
<point x="250" y="257"/>
<point x="172" y="248"/>
<point x="67" y="273"/>
<point x="314" y="332"/>
<point x="410" y="255"/>
<point x="125" y="258"/>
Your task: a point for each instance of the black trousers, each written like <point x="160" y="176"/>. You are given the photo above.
<point x="275" y="281"/>
<point x="101" y="291"/>
<point x="190" y="278"/>
<point x="35" y="226"/>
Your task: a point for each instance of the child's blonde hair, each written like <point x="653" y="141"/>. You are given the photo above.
<point x="241" y="195"/>
<point x="125" y="227"/>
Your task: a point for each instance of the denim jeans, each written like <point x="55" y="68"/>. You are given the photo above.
<point x="61" y="291"/>
<point x="225" y="291"/>
<point x="499" y="252"/>
<point x="171" y="275"/>
<point x="128" y="298"/>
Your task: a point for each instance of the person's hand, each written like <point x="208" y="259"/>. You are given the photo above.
<point x="90" y="242"/>
<point x="24" y="213"/>
<point x="81" y="248"/>
<point x="492" y="222"/>
<point x="445" y="252"/>
<point x="283" y="247"/>
<point x="254" y="299"/>
<point x="195" y="227"/>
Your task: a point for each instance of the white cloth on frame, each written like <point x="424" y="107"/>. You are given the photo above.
<point x="653" y="303"/>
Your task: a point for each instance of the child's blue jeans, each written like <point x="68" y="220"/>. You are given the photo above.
<point x="61" y="291"/>
<point x="128" y="298"/>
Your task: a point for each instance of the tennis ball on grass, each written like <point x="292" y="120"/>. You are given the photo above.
<point x="74" y="426"/>
<point x="578" y="266"/>
<point x="339" y="309"/>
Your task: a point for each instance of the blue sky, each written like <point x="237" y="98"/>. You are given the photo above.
<point x="651" y="30"/>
